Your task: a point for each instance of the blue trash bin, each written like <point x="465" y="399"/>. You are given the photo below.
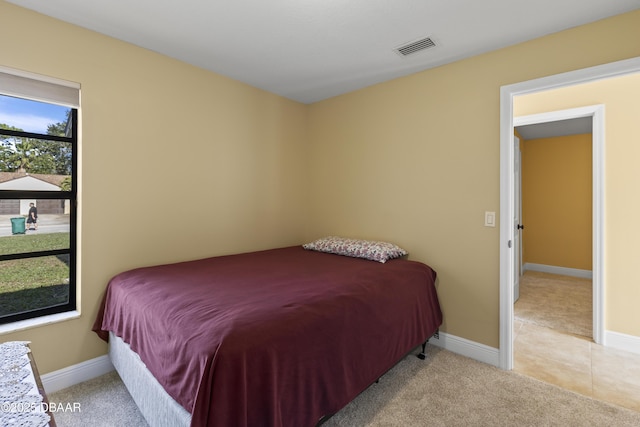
<point x="18" y="225"/>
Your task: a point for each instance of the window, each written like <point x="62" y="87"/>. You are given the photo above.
<point x="38" y="195"/>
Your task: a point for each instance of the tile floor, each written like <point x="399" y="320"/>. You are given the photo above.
<point x="578" y="364"/>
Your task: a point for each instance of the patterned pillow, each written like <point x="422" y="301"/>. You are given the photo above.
<point x="375" y="251"/>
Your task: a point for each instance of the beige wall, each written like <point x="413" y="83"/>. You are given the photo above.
<point x="414" y="160"/>
<point x="556" y="201"/>
<point x="621" y="99"/>
<point x="177" y="163"/>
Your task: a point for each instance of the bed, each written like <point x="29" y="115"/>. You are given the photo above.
<point x="281" y="337"/>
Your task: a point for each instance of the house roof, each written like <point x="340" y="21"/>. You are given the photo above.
<point x="50" y="179"/>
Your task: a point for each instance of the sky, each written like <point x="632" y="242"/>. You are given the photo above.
<point x="30" y="116"/>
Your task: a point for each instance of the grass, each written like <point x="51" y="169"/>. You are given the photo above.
<point x="19" y="243"/>
<point x="32" y="283"/>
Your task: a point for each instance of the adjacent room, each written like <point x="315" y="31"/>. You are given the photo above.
<point x="263" y="136"/>
<point x="561" y="295"/>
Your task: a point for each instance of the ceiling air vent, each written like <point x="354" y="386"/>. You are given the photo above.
<point x="416" y="46"/>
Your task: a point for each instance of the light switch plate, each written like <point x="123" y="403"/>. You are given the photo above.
<point x="489" y="219"/>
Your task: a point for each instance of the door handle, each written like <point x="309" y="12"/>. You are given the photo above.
<point x="520" y="227"/>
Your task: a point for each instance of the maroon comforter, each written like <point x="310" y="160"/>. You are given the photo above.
<point x="272" y="338"/>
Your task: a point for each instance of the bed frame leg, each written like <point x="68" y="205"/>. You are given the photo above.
<point x="422" y="354"/>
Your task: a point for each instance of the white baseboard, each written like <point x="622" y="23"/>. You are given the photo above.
<point x="465" y="347"/>
<point x="93" y="368"/>
<point x="75" y="374"/>
<point x="620" y="341"/>
<point x="552" y="269"/>
<point x="491" y="356"/>
<point x="84" y="371"/>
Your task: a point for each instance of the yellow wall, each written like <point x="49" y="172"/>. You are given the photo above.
<point x="393" y="161"/>
<point x="416" y="160"/>
<point x="621" y="99"/>
<point x="556" y="201"/>
<point x="176" y="163"/>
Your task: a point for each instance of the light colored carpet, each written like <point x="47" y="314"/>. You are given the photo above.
<point x="562" y="303"/>
<point x="444" y="390"/>
<point x="103" y="402"/>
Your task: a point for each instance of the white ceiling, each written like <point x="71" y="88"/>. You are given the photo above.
<point x="309" y="50"/>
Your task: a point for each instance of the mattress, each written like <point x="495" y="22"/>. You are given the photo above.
<point x="279" y="337"/>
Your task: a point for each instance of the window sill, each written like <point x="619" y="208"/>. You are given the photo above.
<point x="38" y="321"/>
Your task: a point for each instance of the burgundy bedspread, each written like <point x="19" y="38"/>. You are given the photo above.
<point x="271" y="338"/>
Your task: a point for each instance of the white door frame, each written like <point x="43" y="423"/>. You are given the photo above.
<point x="507" y="226"/>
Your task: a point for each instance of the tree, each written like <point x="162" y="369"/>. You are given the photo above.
<point x="60" y="151"/>
<point x="66" y="184"/>
<point x="13" y="157"/>
<point x="19" y="154"/>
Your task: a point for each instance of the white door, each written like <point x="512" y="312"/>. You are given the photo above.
<point x="517" y="219"/>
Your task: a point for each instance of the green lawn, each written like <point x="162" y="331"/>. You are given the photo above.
<point x="27" y="284"/>
<point x="33" y="242"/>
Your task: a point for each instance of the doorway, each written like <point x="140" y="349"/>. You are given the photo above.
<point x="556" y="205"/>
<point x="591" y="118"/>
<point x="507" y="183"/>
